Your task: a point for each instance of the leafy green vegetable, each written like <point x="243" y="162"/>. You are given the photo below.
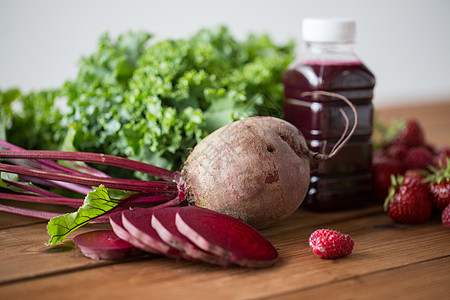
<point x="153" y="101"/>
<point x="38" y="124"/>
<point x="96" y="203"/>
<point x="6" y="98"/>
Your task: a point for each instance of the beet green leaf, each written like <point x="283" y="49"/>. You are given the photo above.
<point x="97" y="203"/>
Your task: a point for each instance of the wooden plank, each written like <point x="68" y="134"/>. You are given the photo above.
<point x="379" y="245"/>
<point x="9" y="220"/>
<point x="24" y="255"/>
<point x="426" y="280"/>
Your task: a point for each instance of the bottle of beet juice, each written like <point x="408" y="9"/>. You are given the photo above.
<point x="328" y="63"/>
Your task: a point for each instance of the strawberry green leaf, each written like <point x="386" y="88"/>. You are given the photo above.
<point x="96" y="203"/>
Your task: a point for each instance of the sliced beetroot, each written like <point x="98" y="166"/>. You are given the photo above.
<point x="163" y="221"/>
<point x="225" y="236"/>
<point x="138" y="223"/>
<point x="115" y="219"/>
<point x="104" y="244"/>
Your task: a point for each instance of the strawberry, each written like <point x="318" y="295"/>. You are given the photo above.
<point x="397" y="151"/>
<point x="415" y="173"/>
<point x="408" y="200"/>
<point x="411" y="135"/>
<point x="439" y="180"/>
<point x="327" y="243"/>
<point x="445" y="217"/>
<point x="441" y="156"/>
<point x="382" y="169"/>
<point x="441" y="194"/>
<point x="418" y="158"/>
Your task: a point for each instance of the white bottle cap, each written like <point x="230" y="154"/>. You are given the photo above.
<point x="328" y="30"/>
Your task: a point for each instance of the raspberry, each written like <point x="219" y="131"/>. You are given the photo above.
<point x="326" y="243"/>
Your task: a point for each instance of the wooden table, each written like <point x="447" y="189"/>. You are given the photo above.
<point x="389" y="260"/>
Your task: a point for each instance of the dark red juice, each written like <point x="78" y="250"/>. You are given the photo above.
<point x="344" y="181"/>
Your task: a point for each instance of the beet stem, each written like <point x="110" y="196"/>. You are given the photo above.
<point x="35" y="190"/>
<point x="47" y="164"/>
<point x="41" y="199"/>
<point x="28" y="212"/>
<point x="125" y="184"/>
<point x="45" y="215"/>
<point x="145" y="199"/>
<point x="86" y="157"/>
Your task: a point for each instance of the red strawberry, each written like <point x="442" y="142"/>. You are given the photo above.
<point x="418" y="158"/>
<point x="415" y="173"/>
<point x="382" y="168"/>
<point x="441" y="194"/>
<point x="397" y="151"/>
<point x="441" y="156"/>
<point x="408" y="200"/>
<point x="439" y="180"/>
<point x="326" y="243"/>
<point x="411" y="135"/>
<point x="446" y="217"/>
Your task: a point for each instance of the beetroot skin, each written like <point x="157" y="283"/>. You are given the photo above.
<point x="256" y="170"/>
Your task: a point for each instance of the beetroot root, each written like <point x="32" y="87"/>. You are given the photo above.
<point x="163" y="221"/>
<point x="115" y="219"/>
<point x="225" y="236"/>
<point x="138" y="223"/>
<point x="256" y="170"/>
<point x="104" y="244"/>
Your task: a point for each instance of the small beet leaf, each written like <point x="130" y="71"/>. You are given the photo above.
<point x="96" y="203"/>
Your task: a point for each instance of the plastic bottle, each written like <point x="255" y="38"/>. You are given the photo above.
<point x="328" y="62"/>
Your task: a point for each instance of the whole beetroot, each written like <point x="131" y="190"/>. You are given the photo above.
<point x="256" y="170"/>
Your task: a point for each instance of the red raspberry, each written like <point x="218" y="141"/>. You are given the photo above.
<point x="326" y="243"/>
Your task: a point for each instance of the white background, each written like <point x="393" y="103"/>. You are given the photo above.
<point x="406" y="43"/>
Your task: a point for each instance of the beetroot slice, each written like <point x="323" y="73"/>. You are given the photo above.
<point x="163" y="221"/>
<point x="225" y="236"/>
<point x="104" y="244"/>
<point x="115" y="219"/>
<point x="138" y="223"/>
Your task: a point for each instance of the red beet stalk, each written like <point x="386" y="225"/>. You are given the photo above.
<point x="40" y="167"/>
